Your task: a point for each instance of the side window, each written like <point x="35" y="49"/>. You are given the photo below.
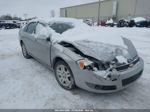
<point x="54" y="26"/>
<point x="31" y="28"/>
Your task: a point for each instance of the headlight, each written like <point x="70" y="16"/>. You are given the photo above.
<point x="85" y="64"/>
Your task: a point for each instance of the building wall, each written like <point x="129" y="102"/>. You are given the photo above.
<point x="62" y="12"/>
<point x="71" y="12"/>
<point x="88" y="11"/>
<point x="143" y="8"/>
<point x="106" y="10"/>
<point x="125" y="9"/>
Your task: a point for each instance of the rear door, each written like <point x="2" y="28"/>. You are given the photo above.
<point x="28" y="36"/>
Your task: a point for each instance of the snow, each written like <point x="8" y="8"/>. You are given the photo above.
<point x="41" y="31"/>
<point x="99" y="50"/>
<point x="26" y="84"/>
<point x="92" y="35"/>
<point x="121" y="59"/>
<point x="138" y="19"/>
<point x="109" y="21"/>
<point x="82" y="31"/>
<point x="58" y="19"/>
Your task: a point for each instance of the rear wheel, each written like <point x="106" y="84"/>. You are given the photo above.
<point x="24" y="51"/>
<point x="64" y="75"/>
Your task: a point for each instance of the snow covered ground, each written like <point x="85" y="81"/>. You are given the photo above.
<point x="28" y="84"/>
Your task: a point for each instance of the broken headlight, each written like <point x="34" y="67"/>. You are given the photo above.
<point x="93" y="65"/>
<point x="85" y="64"/>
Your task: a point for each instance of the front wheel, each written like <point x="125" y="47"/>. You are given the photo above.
<point x="64" y="75"/>
<point x="24" y="52"/>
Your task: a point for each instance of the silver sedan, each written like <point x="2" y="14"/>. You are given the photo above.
<point x="80" y="56"/>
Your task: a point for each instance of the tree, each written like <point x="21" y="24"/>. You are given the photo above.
<point x="6" y="17"/>
<point x="9" y="17"/>
<point x="52" y="13"/>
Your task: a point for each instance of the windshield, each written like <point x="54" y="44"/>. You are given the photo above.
<point x="61" y="27"/>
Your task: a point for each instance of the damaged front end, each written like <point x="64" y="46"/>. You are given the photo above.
<point x="103" y="59"/>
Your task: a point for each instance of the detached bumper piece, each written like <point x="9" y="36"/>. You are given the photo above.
<point x="129" y="80"/>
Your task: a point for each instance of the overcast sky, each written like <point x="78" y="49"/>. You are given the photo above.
<point x="38" y="8"/>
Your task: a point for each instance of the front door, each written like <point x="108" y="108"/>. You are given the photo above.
<point x="42" y="46"/>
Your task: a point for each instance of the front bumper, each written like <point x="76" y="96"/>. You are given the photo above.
<point x="93" y="82"/>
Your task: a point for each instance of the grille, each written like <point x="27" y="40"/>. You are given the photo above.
<point x="131" y="79"/>
<point x="124" y="67"/>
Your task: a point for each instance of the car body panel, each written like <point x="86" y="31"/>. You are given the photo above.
<point x="42" y="50"/>
<point x="98" y="81"/>
<point x="29" y="40"/>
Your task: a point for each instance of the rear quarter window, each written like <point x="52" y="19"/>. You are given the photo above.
<point x="25" y="28"/>
<point x="30" y="28"/>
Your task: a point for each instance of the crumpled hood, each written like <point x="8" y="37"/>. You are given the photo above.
<point x="100" y="45"/>
<point x="106" y="52"/>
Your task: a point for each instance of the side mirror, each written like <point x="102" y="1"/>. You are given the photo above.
<point x="44" y="34"/>
<point x="48" y="39"/>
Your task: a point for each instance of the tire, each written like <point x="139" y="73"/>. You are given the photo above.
<point x="64" y="75"/>
<point x="25" y="52"/>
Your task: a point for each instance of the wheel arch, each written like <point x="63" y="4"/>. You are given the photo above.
<point x="56" y="59"/>
<point x="61" y="59"/>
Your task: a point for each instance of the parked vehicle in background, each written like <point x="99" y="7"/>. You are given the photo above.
<point x="123" y="23"/>
<point x="2" y="25"/>
<point x="110" y="23"/>
<point x="140" y="22"/>
<point x="8" y="26"/>
<point x="18" y="23"/>
<point x="101" y="23"/>
<point x="135" y="22"/>
<point x="148" y="24"/>
<point x="131" y="23"/>
<point x="88" y="22"/>
<point x="81" y="56"/>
